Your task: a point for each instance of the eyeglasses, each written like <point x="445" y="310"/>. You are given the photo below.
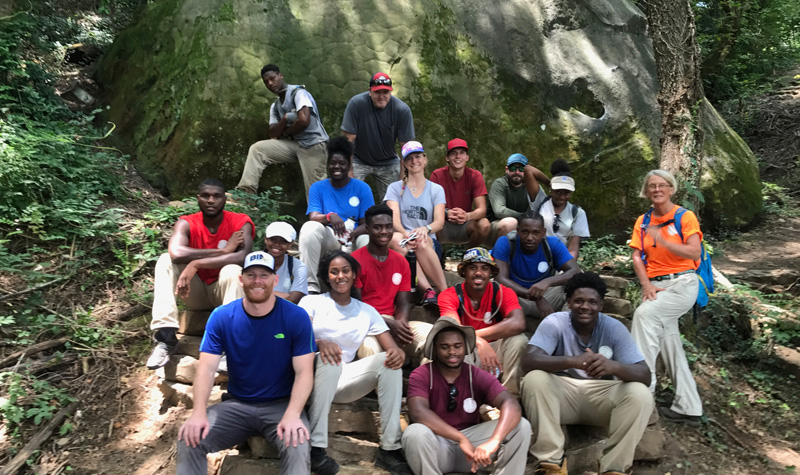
<point x="451" y="404"/>
<point x="555" y="224"/>
<point x="380" y="82"/>
<point x="517" y="167"/>
<point x="658" y="186"/>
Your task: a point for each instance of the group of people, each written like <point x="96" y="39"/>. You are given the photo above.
<point x="523" y="332"/>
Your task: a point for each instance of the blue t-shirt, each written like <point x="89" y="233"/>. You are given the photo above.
<point x="557" y="337"/>
<point x="350" y="201"/>
<point x="260" y="349"/>
<point x="527" y="269"/>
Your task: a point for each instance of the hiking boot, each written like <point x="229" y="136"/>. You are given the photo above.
<point x="393" y="461"/>
<point x="673" y="416"/>
<point x="429" y="298"/>
<point x="551" y="468"/>
<point x="160" y="355"/>
<point x="322" y="463"/>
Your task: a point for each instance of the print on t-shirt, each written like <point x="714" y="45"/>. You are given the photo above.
<point x="416" y="212"/>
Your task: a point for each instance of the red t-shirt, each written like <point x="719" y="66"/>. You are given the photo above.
<point x="506" y="298"/>
<point x="485" y="389"/>
<point x="459" y="194"/>
<point x="380" y="281"/>
<point x="201" y="238"/>
<point x="659" y="260"/>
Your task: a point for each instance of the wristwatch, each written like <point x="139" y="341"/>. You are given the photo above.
<point x="430" y="230"/>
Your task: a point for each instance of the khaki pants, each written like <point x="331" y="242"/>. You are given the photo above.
<point x="350" y="382"/>
<point x="413" y="350"/>
<point x="551" y="401"/>
<point x="533" y="317"/>
<point x="428" y="453"/>
<point x="315" y="241"/>
<point x="509" y="353"/>
<point x="312" y="161"/>
<point x="201" y="296"/>
<point x="655" y="329"/>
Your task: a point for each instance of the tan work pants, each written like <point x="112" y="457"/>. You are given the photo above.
<point x="312" y="161"/>
<point x="413" y="350"/>
<point x="655" y="330"/>
<point x="201" y="296"/>
<point x="509" y="353"/>
<point x="533" y="317"/>
<point x="551" y="401"/>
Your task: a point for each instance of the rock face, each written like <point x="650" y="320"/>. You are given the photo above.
<point x="550" y="79"/>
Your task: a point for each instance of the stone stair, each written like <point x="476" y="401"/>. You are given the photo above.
<point x="354" y="428"/>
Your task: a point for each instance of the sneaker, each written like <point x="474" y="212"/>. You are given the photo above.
<point x="160" y="355"/>
<point x="322" y="463"/>
<point x="393" y="461"/>
<point x="673" y="416"/>
<point x="429" y="298"/>
<point x="550" y="468"/>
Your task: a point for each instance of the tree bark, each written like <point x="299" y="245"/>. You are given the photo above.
<point x="680" y="94"/>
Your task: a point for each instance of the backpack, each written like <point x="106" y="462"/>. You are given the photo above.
<point x="496" y="318"/>
<point x="513" y="242"/>
<point x="704" y="273"/>
<point x="290" y="266"/>
<point x="279" y="104"/>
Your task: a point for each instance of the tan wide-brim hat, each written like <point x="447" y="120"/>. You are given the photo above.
<point x="448" y="322"/>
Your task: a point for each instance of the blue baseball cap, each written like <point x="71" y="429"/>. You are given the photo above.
<point x="516" y="158"/>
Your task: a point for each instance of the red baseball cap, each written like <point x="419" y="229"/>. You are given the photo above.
<point x="380" y="81"/>
<point x="456" y="143"/>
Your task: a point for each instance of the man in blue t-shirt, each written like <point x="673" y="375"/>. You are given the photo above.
<point x="584" y="368"/>
<point x="529" y="263"/>
<point x="336" y="208"/>
<point x="251" y="331"/>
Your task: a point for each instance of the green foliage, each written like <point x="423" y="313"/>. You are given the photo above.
<point x="263" y="208"/>
<point x="604" y="254"/>
<point x="41" y="400"/>
<point x="744" y="43"/>
<point x="778" y="201"/>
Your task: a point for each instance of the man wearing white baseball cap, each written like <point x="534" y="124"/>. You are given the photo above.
<point x="292" y="273"/>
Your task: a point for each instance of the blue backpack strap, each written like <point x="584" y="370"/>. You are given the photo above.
<point x="643" y="231"/>
<point x="678" y="217"/>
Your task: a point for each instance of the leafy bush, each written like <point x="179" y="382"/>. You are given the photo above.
<point x="604" y="254"/>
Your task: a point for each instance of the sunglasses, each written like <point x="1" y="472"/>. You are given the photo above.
<point x="380" y="82"/>
<point x="517" y="167"/>
<point x="451" y="403"/>
<point x="555" y="224"/>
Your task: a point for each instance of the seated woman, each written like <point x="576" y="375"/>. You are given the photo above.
<point x="666" y="250"/>
<point x="341" y="324"/>
<point x="563" y="219"/>
<point x="418" y="205"/>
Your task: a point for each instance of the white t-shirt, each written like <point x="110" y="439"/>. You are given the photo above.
<point x="300" y="272"/>
<point x="567" y="227"/>
<point x="346" y="326"/>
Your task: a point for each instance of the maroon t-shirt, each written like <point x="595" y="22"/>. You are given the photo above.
<point x="485" y="387"/>
<point x="459" y="194"/>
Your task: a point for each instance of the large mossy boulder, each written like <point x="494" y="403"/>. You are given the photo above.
<point x="548" y="78"/>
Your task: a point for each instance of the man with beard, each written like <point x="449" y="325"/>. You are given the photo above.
<point x="375" y="120"/>
<point x="295" y="130"/>
<point x="202" y="265"/>
<point x="585" y="368"/>
<point x="292" y="273"/>
<point x="385" y="283"/>
<point x="253" y="331"/>
<point x="446" y="434"/>
<point x="493" y="311"/>
<point x="513" y="194"/>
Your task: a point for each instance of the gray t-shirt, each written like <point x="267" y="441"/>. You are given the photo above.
<point x="314" y="133"/>
<point x="377" y="130"/>
<point x="416" y="212"/>
<point x="557" y="337"/>
<point x="300" y="272"/>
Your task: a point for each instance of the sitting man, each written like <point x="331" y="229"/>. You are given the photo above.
<point x="292" y="273"/>
<point x="446" y="434"/>
<point x="465" y="193"/>
<point x="493" y="311"/>
<point x="336" y="209"/>
<point x="513" y="194"/>
<point x="202" y="267"/>
<point x="261" y="402"/>
<point x="529" y="263"/>
<point x="585" y="368"/>
<point x="385" y="283"/>
<point x="295" y="130"/>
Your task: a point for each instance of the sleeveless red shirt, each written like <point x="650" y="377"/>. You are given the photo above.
<point x="201" y="238"/>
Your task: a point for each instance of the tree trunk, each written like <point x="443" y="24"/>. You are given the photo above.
<point x="680" y="94"/>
